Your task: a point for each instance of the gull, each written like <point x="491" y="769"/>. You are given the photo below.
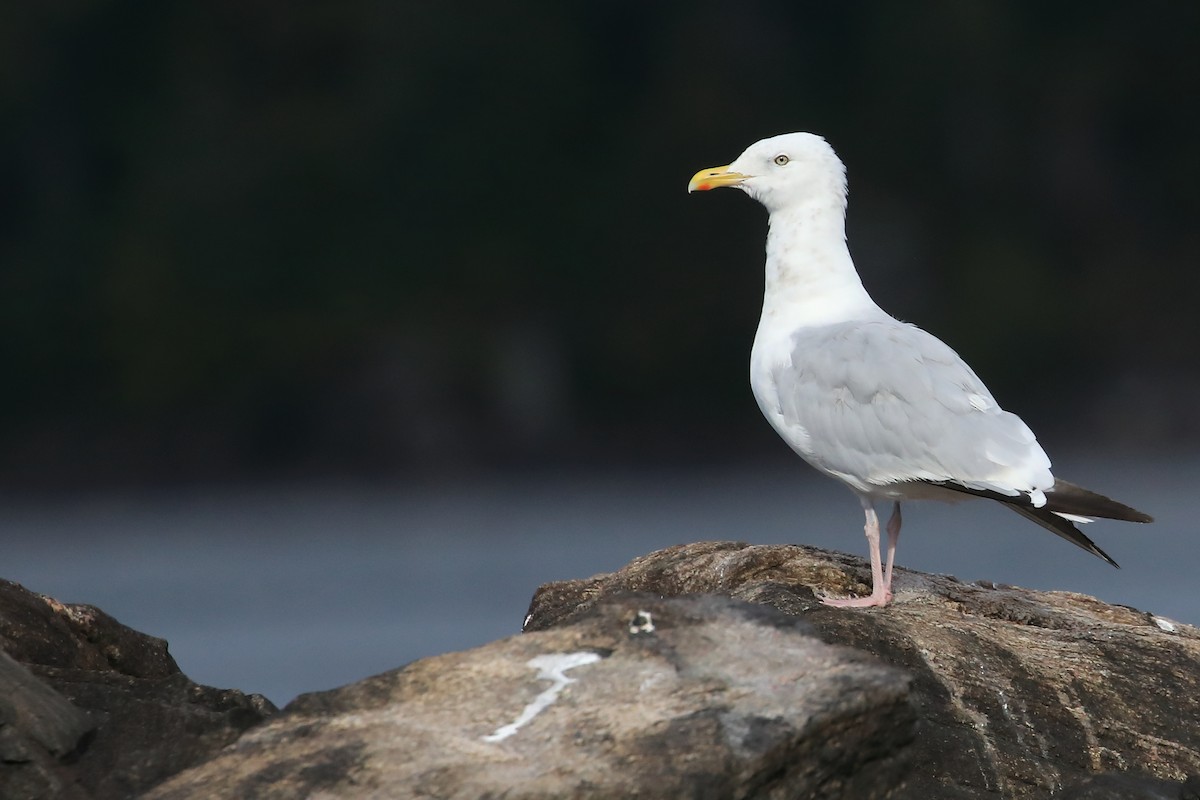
<point x="884" y="407"/>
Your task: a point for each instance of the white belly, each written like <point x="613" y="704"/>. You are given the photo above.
<point x="768" y="354"/>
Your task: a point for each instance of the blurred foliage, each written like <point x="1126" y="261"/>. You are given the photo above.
<point x="358" y="236"/>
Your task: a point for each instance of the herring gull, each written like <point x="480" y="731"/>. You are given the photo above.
<point x="882" y="406"/>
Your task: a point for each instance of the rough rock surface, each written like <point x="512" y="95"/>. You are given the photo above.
<point x="1021" y="694"/>
<point x="658" y="680"/>
<point x="91" y="709"/>
<point x="38" y="728"/>
<point x="698" y="697"/>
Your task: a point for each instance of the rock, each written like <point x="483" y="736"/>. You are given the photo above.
<point x="1021" y="694"/>
<point x="97" y="709"/>
<point x="38" y="729"/>
<point x="696" y="697"/>
<point x="705" y="670"/>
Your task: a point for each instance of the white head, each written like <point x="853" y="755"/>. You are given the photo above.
<point x="782" y="172"/>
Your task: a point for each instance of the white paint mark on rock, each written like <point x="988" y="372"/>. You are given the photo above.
<point x="551" y="667"/>
<point x="1165" y="624"/>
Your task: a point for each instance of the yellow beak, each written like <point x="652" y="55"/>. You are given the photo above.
<point x="714" y="178"/>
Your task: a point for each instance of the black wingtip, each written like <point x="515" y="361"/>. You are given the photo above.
<point x="1064" y="528"/>
<point x="1064" y="498"/>
<point x="1068" y="498"/>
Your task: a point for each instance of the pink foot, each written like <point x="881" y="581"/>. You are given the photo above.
<point x="875" y="599"/>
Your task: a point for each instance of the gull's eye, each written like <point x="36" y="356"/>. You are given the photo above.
<point x="781" y="160"/>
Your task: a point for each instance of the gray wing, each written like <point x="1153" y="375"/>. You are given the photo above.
<point x="885" y="402"/>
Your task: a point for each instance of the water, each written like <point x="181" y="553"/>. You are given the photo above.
<point x="287" y="589"/>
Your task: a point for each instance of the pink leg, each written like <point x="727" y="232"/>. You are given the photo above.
<point x="879" y="589"/>
<point x="893" y="529"/>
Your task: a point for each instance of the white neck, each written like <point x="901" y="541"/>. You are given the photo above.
<point x="811" y="279"/>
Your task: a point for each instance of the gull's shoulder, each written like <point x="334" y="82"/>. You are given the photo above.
<point x="872" y="331"/>
<point x="874" y="356"/>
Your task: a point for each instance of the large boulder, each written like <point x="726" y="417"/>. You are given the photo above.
<point x="91" y="709"/>
<point x="696" y="697"/>
<point x="1021" y="694"/>
<point x="705" y="670"/>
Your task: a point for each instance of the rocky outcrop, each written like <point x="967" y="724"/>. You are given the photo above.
<point x="705" y="670"/>
<point x="1020" y="693"/>
<point x="91" y="709"/>
<point x="637" y="697"/>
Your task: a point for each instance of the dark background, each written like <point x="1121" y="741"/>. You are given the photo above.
<point x="262" y="239"/>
